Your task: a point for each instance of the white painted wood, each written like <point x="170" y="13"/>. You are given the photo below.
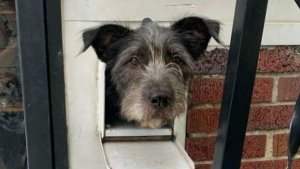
<point x="146" y="155"/>
<point x="103" y="153"/>
<point x="101" y="99"/>
<point x="180" y="129"/>
<point x="136" y="10"/>
<point x="282" y="26"/>
<point x="166" y="10"/>
<point x="289" y="34"/>
<point x="137" y="132"/>
<point x="185" y="154"/>
<point x="274" y="34"/>
<point x="81" y="86"/>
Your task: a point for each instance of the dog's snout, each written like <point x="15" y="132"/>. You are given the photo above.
<point x="160" y="99"/>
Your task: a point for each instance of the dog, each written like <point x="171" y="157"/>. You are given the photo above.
<point x="148" y="69"/>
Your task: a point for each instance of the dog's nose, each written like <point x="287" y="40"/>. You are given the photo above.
<point x="160" y="99"/>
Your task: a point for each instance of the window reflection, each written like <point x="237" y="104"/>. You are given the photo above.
<point x="12" y="133"/>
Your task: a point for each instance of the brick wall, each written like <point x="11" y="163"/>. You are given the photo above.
<point x="276" y="88"/>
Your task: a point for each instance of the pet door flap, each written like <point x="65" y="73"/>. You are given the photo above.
<point x="146" y="155"/>
<point x="127" y="146"/>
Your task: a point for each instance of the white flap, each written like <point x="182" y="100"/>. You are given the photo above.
<point x="101" y="98"/>
<point x="146" y="155"/>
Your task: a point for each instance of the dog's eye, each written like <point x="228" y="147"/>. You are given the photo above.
<point x="133" y="61"/>
<point x="177" y="60"/>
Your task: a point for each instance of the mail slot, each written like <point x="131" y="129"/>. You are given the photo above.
<point x="126" y="145"/>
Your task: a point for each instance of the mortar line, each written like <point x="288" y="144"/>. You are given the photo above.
<point x="249" y="133"/>
<point x="218" y="105"/>
<point x="258" y="159"/>
<point x="269" y="145"/>
<point x="275" y="90"/>
<point x="259" y="75"/>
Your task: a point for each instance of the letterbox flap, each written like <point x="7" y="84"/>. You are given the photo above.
<point x="146" y="155"/>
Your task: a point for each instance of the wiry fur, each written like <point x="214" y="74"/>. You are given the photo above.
<point x="128" y="85"/>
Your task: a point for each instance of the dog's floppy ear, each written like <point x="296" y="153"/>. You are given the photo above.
<point x="196" y="32"/>
<point x="103" y="37"/>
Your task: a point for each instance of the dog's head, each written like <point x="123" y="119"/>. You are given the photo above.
<point x="151" y="66"/>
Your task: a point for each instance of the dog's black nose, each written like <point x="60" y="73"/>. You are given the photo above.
<point x="160" y="99"/>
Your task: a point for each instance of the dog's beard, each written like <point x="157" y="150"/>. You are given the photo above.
<point x="135" y="107"/>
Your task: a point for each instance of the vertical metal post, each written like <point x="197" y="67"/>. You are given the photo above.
<point x="42" y="69"/>
<point x="33" y="60"/>
<point x="294" y="136"/>
<point x="241" y="69"/>
<point x="298" y="3"/>
<point x="57" y="83"/>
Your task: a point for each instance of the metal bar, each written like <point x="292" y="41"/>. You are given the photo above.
<point x="57" y="83"/>
<point x="298" y="3"/>
<point x="294" y="137"/>
<point x="241" y="69"/>
<point x="33" y="60"/>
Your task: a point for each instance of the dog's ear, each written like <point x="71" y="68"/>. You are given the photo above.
<point x="103" y="37"/>
<point x="195" y="33"/>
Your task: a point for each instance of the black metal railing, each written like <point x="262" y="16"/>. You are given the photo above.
<point x="241" y="69"/>
<point x="243" y="55"/>
<point x="41" y="59"/>
<point x="294" y="136"/>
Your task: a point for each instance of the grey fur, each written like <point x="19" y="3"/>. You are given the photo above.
<point x="163" y="61"/>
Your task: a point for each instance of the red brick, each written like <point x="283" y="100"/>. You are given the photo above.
<point x="209" y="90"/>
<point x="212" y="62"/>
<point x="270" y="117"/>
<point x="280" y="59"/>
<point x="206" y="90"/>
<point x="202" y="149"/>
<point x="254" y="146"/>
<point x="263" y="89"/>
<point x="280" y="144"/>
<point x="260" y="118"/>
<point x="270" y="164"/>
<point x="288" y="88"/>
<point x="203" y="166"/>
<point x="203" y="120"/>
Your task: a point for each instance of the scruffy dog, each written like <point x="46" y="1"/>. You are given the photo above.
<point x="148" y="69"/>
